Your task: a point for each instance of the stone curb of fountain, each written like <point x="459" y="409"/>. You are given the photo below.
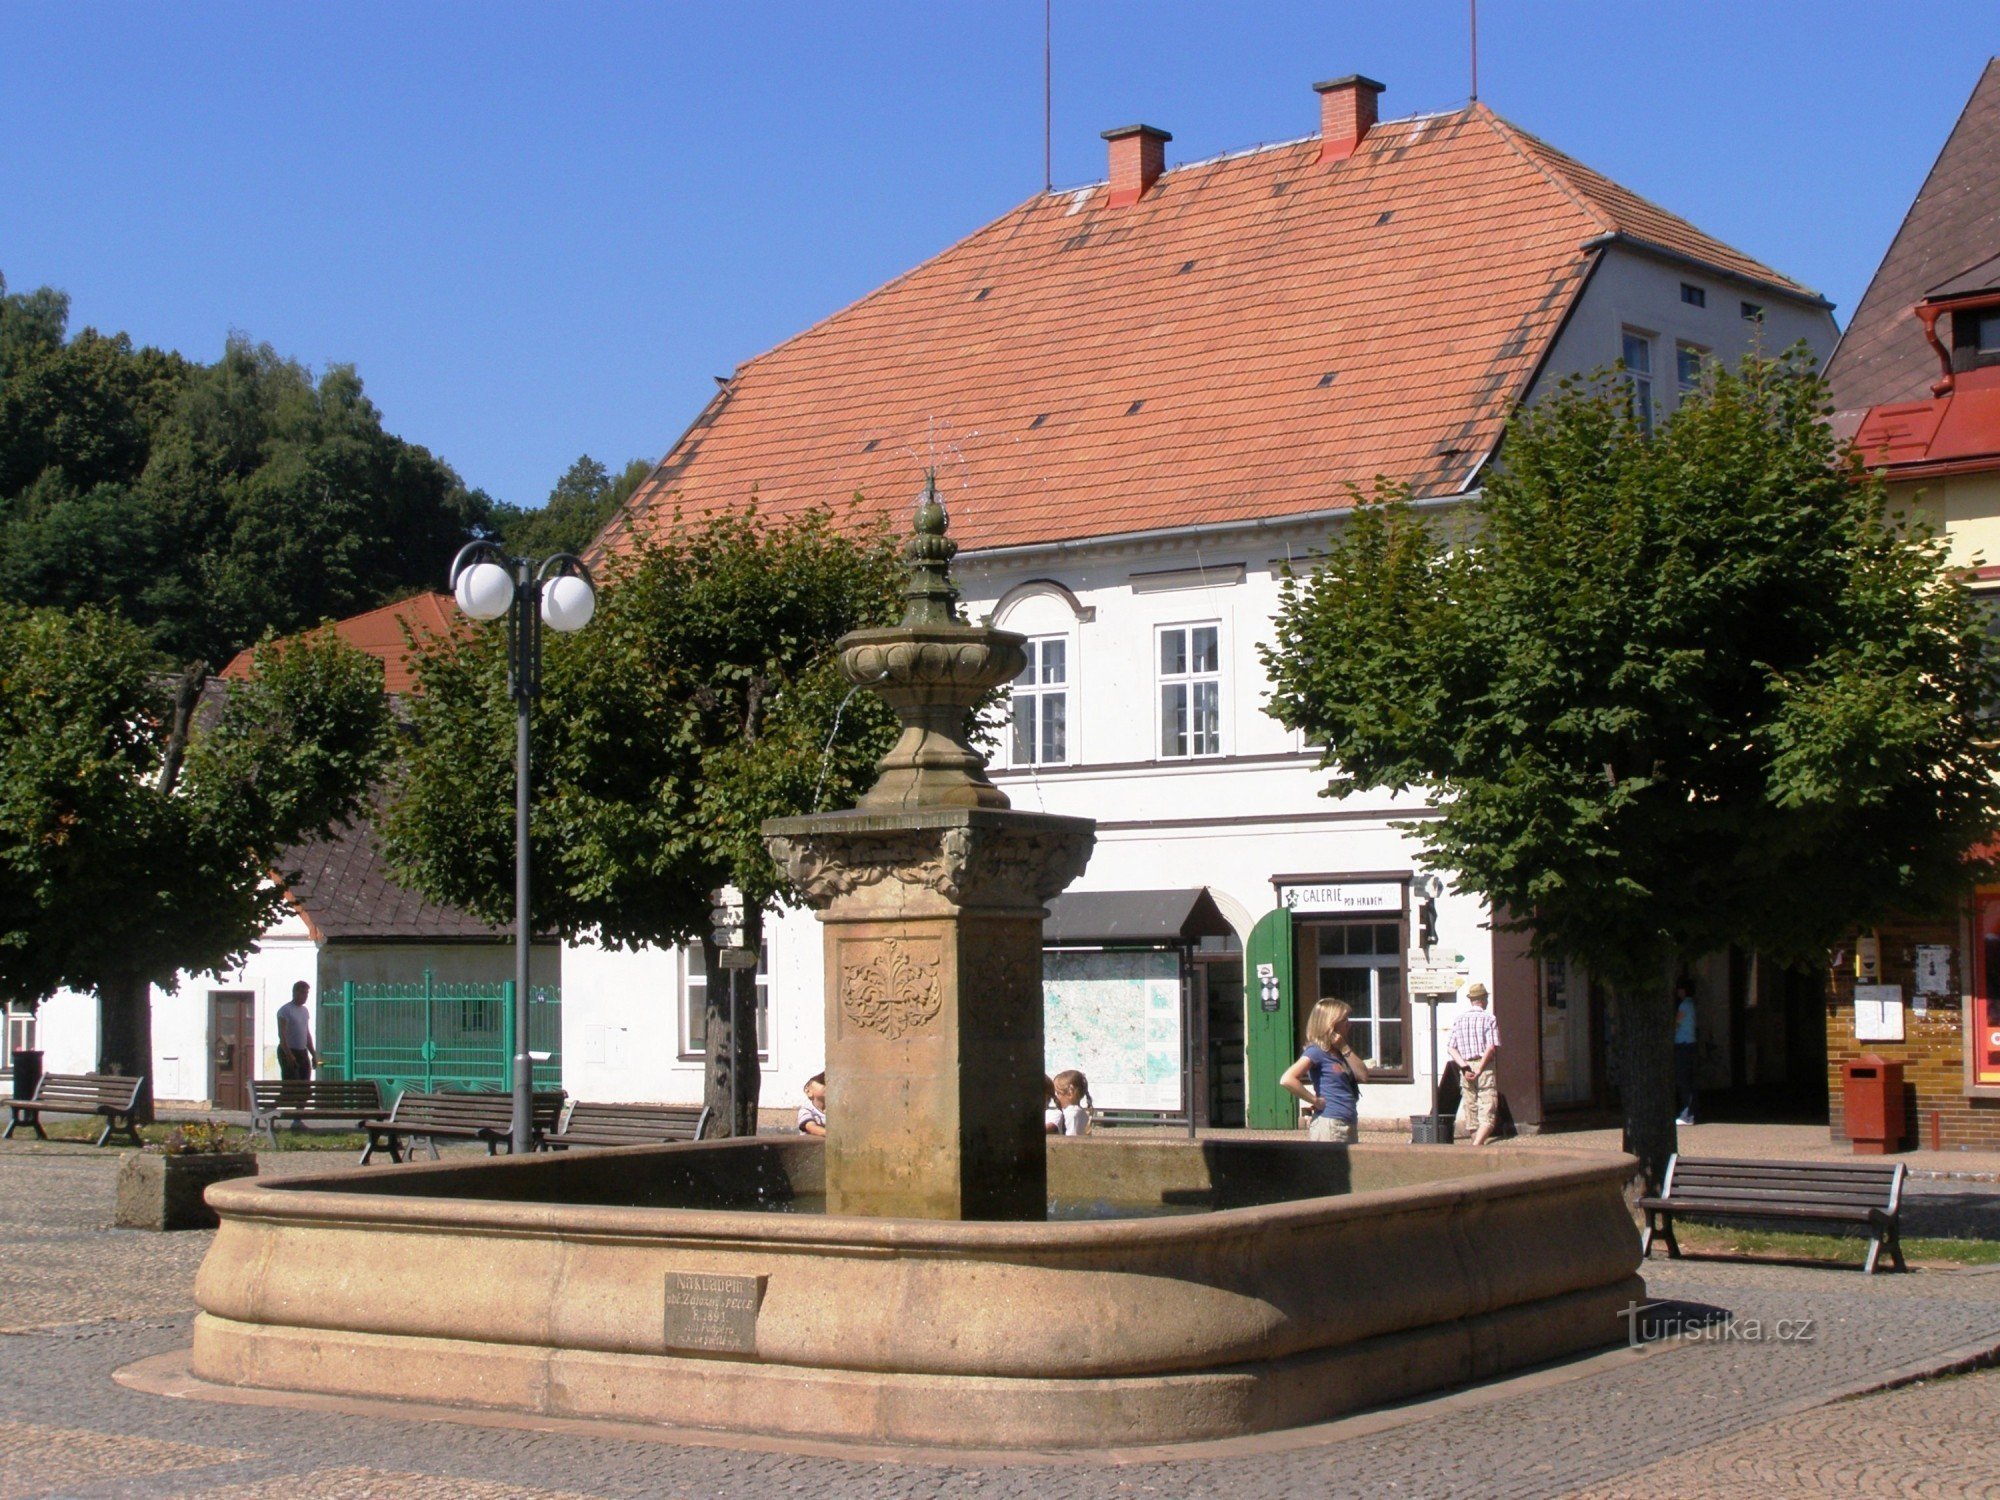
<point x="168" y="1375"/>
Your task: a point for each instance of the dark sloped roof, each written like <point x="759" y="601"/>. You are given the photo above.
<point x="343" y="888"/>
<point x="1984" y="277"/>
<point x="1953" y="224"/>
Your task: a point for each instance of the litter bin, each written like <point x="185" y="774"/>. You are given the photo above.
<point x="1430" y="1130"/>
<point x="1872" y="1096"/>
<point x="27" y="1072"/>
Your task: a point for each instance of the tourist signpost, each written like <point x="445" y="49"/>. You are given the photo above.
<point x="1432" y="986"/>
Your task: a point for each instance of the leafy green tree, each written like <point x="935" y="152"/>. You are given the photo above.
<point x="1669" y="694"/>
<point x="142" y="819"/>
<point x="576" y="510"/>
<point x="208" y="504"/>
<point x="703" y="699"/>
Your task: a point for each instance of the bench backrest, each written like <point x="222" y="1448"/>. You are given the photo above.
<point x="638" y="1123"/>
<point x="473" y="1111"/>
<point x="343" y="1095"/>
<point x="1841" y="1184"/>
<point x="88" y="1090"/>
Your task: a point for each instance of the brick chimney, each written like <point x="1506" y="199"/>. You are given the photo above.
<point x="1138" y="157"/>
<point x="1346" y="114"/>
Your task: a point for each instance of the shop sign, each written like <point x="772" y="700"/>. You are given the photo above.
<point x="1374" y="895"/>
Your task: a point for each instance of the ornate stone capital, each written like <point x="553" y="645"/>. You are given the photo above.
<point x="989" y="859"/>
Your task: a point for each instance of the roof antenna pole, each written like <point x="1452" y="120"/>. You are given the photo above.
<point x="1048" y="49"/>
<point x="1475" y="50"/>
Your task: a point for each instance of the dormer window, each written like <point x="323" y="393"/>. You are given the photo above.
<point x="1975" y="337"/>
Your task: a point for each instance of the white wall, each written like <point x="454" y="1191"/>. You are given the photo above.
<point x="1632" y="290"/>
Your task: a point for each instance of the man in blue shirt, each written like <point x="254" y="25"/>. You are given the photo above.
<point x="1684" y="1049"/>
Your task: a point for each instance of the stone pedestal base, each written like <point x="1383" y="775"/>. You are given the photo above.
<point x="934" y="1075"/>
<point x="157" y="1191"/>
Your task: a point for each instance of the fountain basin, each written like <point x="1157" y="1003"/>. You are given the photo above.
<point x="1290" y="1283"/>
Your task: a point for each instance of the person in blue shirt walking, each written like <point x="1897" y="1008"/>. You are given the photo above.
<point x="1328" y="1076"/>
<point x="1684" y="1049"/>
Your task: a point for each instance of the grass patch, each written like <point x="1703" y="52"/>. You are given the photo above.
<point x="83" y="1132"/>
<point x="1770" y="1244"/>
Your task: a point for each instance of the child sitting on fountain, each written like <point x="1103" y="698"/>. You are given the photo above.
<point x="1072" y="1091"/>
<point x="812" y="1113"/>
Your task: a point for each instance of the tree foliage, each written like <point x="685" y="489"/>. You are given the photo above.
<point x="576" y="510"/>
<point x="1671" y="694"/>
<point x="703" y="699"/>
<point x="141" y="822"/>
<point x="208" y="503"/>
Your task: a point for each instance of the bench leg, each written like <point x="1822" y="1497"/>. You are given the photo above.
<point x="369" y="1149"/>
<point x="1667" y="1234"/>
<point x="431" y="1141"/>
<point x="105" y="1134"/>
<point x="1646" y="1238"/>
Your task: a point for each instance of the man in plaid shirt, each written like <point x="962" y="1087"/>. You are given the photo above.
<point x="1475" y="1043"/>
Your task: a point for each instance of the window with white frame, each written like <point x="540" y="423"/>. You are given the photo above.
<point x="1190" y="691"/>
<point x="1041" y="705"/>
<point x="1688" y="362"/>
<point x="21" y="1032"/>
<point x="1361" y="963"/>
<point x="694" y="1001"/>
<point x="1638" y="357"/>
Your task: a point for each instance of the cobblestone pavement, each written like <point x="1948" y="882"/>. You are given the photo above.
<point x="1708" y="1415"/>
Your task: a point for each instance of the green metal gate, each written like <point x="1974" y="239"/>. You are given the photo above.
<point x="433" y="1036"/>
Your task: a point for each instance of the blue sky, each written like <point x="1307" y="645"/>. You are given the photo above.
<point x="540" y="229"/>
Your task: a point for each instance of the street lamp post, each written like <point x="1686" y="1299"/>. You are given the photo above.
<point x="557" y="592"/>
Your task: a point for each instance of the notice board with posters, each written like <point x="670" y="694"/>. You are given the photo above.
<point x="1118" y="1017"/>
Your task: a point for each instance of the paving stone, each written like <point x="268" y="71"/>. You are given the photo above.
<point x="1696" y="1418"/>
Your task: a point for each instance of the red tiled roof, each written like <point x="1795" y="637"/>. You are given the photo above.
<point x="1952" y="226"/>
<point x="1254" y="336"/>
<point x="379" y="632"/>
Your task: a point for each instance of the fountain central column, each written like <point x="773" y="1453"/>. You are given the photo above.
<point x="932" y="893"/>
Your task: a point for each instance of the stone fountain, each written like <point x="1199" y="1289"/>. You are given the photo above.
<point x="932" y="891"/>
<point x="905" y="1281"/>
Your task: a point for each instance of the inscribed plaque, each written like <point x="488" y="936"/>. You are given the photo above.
<point x="713" y="1312"/>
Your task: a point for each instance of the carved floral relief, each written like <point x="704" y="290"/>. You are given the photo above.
<point x="893" y="991"/>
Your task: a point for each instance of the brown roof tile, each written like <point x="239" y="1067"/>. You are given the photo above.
<point x="1952" y="227"/>
<point x="1176" y="350"/>
<point x="342" y="886"/>
<point x="379" y="632"/>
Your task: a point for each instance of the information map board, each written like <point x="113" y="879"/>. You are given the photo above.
<point x="1116" y="1016"/>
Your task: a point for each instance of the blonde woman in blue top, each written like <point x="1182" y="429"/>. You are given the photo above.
<point x="1328" y="1076"/>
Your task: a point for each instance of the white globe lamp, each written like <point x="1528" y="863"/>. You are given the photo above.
<point x="485" y="591"/>
<point x="568" y="602"/>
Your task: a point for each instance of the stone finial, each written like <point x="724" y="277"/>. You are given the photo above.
<point x="932" y="598"/>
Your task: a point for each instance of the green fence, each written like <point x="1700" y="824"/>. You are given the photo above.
<point x="432" y="1036"/>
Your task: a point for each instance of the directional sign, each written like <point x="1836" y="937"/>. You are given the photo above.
<point x="737" y="958"/>
<point x="1434" y="981"/>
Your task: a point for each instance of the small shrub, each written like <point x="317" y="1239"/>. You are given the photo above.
<point x="202" y="1138"/>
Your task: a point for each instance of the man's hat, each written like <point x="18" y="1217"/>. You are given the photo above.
<point x="1476" y="993"/>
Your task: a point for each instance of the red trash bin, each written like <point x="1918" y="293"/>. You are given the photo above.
<point x="1872" y="1097"/>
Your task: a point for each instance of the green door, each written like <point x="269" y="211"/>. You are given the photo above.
<point x="1268" y="1045"/>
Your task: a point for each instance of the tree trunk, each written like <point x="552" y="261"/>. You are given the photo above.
<point x="732" y="1056"/>
<point x="125" y="1034"/>
<point x="1646" y="1070"/>
<point x="748" y="1068"/>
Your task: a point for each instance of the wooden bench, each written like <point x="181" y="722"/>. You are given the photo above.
<point x="1866" y="1193"/>
<point x="462" y="1117"/>
<point x="106" y="1094"/>
<point x="629" y="1125"/>
<point x="299" y="1100"/>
